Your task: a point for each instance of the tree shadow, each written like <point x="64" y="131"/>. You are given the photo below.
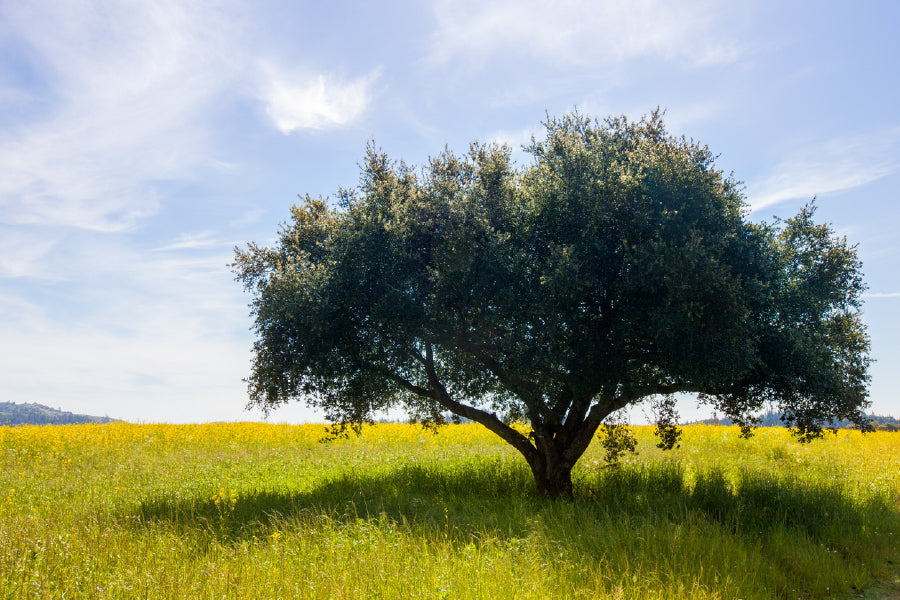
<point x="752" y="502"/>
<point x="500" y="501"/>
<point x="463" y="500"/>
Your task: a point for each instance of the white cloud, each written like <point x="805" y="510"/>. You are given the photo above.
<point x="121" y="98"/>
<point x="834" y="166"/>
<point x="881" y="295"/>
<point x="580" y="33"/>
<point x="295" y="102"/>
<point x="128" y="100"/>
<point x="128" y="85"/>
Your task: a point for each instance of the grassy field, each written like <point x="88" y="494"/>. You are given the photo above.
<point x="266" y="511"/>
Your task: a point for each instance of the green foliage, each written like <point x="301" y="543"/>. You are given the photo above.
<point x="617" y="266"/>
<point x="617" y="439"/>
<point x="667" y="431"/>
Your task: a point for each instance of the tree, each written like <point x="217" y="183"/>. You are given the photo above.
<point x="617" y="266"/>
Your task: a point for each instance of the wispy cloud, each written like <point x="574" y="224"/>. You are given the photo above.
<point x="833" y="166"/>
<point x="23" y="253"/>
<point x="124" y="95"/>
<point x="294" y="102"/>
<point x="128" y="86"/>
<point x="881" y="295"/>
<point x="190" y="242"/>
<point x="103" y="104"/>
<point x="583" y="33"/>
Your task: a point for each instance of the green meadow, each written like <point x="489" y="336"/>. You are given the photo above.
<point x="268" y="511"/>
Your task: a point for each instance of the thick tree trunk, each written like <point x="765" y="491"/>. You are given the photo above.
<point x="554" y="480"/>
<point x="550" y="452"/>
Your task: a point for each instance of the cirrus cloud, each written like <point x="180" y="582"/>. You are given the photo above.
<point x="832" y="166"/>
<point x="125" y="87"/>
<point x="583" y="33"/>
<point x="101" y="101"/>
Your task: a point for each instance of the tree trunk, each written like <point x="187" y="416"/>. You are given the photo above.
<point x="553" y="480"/>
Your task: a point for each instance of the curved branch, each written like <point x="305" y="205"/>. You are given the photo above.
<point x="409" y="386"/>
<point x="441" y="396"/>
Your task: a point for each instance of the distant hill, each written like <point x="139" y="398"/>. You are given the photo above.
<point x="773" y="419"/>
<point x="38" y="414"/>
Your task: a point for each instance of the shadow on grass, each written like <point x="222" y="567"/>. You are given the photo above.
<point x="477" y="497"/>
<point x="498" y="498"/>
<point x="754" y="502"/>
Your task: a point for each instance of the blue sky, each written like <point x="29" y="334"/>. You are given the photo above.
<point x="141" y="141"/>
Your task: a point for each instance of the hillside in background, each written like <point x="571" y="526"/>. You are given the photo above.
<point x="38" y="414"/>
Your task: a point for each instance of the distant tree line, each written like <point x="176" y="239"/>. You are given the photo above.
<point x="38" y="414"/>
<point x="773" y="419"/>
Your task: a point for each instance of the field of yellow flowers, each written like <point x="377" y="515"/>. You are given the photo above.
<point x="268" y="511"/>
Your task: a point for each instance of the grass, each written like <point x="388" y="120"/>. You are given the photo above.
<point x="266" y="511"/>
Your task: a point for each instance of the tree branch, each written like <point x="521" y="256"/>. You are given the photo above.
<point x="489" y="420"/>
<point x="510" y="380"/>
<point x="408" y="385"/>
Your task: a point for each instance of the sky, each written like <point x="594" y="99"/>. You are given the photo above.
<point x="142" y="140"/>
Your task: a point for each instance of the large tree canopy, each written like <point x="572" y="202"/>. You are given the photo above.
<point x="617" y="266"/>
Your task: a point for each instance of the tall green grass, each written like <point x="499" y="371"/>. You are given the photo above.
<point x="266" y="511"/>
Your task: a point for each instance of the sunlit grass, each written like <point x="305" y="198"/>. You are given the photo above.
<point x="267" y="511"/>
